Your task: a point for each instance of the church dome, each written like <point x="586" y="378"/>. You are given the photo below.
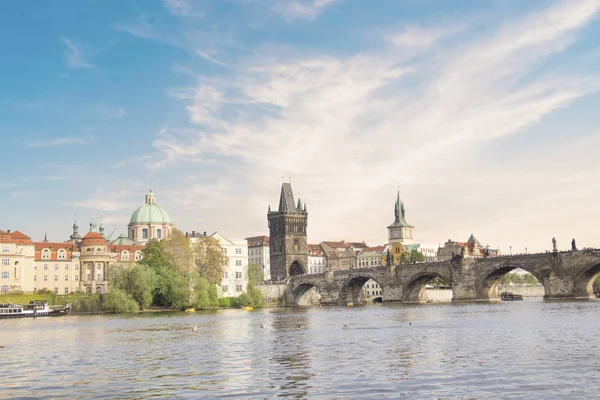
<point x="150" y="212"/>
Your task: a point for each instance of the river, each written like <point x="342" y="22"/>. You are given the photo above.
<point x="527" y="349"/>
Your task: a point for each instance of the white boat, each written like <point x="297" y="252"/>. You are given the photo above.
<point x="35" y="308"/>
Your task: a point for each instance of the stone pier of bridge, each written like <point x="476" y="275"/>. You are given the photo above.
<point x="564" y="275"/>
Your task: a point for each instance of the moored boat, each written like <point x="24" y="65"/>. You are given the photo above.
<point x="35" y="308"/>
<point x="510" y="296"/>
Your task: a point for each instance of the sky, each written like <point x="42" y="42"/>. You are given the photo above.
<point x="483" y="114"/>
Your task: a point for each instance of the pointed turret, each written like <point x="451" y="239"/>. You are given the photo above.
<point x="399" y="213"/>
<point x="299" y="206"/>
<point x="75" y="235"/>
<point x="286" y="198"/>
<point x="45" y="237"/>
<point x="304" y="207"/>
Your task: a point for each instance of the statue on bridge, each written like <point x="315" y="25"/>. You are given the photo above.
<point x="554" y="249"/>
<point x="573" y="245"/>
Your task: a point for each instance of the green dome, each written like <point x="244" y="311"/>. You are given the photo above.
<point x="150" y="212"/>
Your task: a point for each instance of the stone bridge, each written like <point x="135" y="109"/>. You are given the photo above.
<point x="565" y="275"/>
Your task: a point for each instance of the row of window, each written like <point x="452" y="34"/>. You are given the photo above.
<point x="56" y="277"/>
<point x="56" y="267"/>
<point x="225" y="288"/>
<point x="6" y="249"/>
<point x="88" y="290"/>
<point x="238" y="275"/>
<point x="373" y="293"/>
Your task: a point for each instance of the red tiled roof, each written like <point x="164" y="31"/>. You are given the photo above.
<point x="258" y="241"/>
<point x="55" y="245"/>
<point x="14" y="237"/>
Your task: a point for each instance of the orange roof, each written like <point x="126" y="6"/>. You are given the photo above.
<point x="258" y="240"/>
<point x="55" y="245"/>
<point x="14" y="237"/>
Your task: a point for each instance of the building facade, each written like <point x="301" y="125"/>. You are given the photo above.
<point x="472" y="248"/>
<point x="287" y="236"/>
<point x="317" y="262"/>
<point x="259" y="253"/>
<point x="17" y="255"/>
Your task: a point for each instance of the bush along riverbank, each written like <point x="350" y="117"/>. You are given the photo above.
<point x="171" y="275"/>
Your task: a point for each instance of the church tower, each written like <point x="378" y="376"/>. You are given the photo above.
<point x="287" y="231"/>
<point x="400" y="231"/>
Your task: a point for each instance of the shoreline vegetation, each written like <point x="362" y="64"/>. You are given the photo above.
<point x="172" y="275"/>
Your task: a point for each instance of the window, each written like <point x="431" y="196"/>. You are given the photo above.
<point x="4" y="288"/>
<point x="159" y="233"/>
<point x="5" y="261"/>
<point x="6" y="249"/>
<point x="66" y="290"/>
<point x="45" y="266"/>
<point x="238" y="288"/>
<point x="145" y="233"/>
<point x="34" y="267"/>
<point x="66" y="267"/>
<point x="55" y="290"/>
<point x="138" y="255"/>
<point x="225" y="275"/>
<point x="224" y="251"/>
<point x="99" y="276"/>
<point x="56" y="267"/>
<point x="225" y="288"/>
<point x="66" y="277"/>
<point x="88" y="290"/>
<point x="55" y="278"/>
<point x="76" y="267"/>
<point x="5" y="274"/>
<point x="238" y="263"/>
<point x="62" y="255"/>
<point x="46" y="254"/>
<point x="76" y="277"/>
<point x="125" y="256"/>
<point x="238" y="250"/>
<point x="34" y="278"/>
<point x="238" y="275"/>
<point x="45" y="278"/>
<point x="98" y="290"/>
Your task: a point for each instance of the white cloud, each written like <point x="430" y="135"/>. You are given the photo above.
<point x="346" y="129"/>
<point x="74" y="56"/>
<point x="60" y="141"/>
<point x="186" y="8"/>
<point x="300" y="9"/>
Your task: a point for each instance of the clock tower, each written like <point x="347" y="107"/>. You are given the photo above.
<point x="400" y="231"/>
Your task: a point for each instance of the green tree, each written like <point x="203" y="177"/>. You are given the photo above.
<point x="118" y="301"/>
<point x="209" y="259"/>
<point x="179" y="253"/>
<point x="204" y="293"/>
<point x="172" y="289"/>
<point x="255" y="274"/>
<point x="154" y="255"/>
<point x="417" y="256"/>
<point x="405" y="257"/>
<point x="412" y="256"/>
<point x="597" y="282"/>
<point x="138" y="281"/>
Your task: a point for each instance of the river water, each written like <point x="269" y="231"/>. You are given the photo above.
<point x="527" y="349"/>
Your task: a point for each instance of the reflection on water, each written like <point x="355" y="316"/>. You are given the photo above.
<point x="529" y="349"/>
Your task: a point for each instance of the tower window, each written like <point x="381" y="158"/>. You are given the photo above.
<point x="145" y="233"/>
<point x="159" y="234"/>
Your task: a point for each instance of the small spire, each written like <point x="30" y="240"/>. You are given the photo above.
<point x="299" y="206"/>
<point x="45" y="237"/>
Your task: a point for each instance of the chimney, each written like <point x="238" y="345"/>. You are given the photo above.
<point x="186" y="234"/>
<point x="193" y="233"/>
<point x="8" y="231"/>
<point x="204" y="233"/>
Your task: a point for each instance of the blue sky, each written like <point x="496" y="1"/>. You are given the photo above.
<point x="483" y="113"/>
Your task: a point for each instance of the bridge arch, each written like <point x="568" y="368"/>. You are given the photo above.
<point x="487" y="287"/>
<point x="414" y="290"/>
<point x="301" y="294"/>
<point x="351" y="287"/>
<point x="584" y="281"/>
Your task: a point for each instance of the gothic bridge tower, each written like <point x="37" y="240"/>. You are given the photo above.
<point x="287" y="231"/>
